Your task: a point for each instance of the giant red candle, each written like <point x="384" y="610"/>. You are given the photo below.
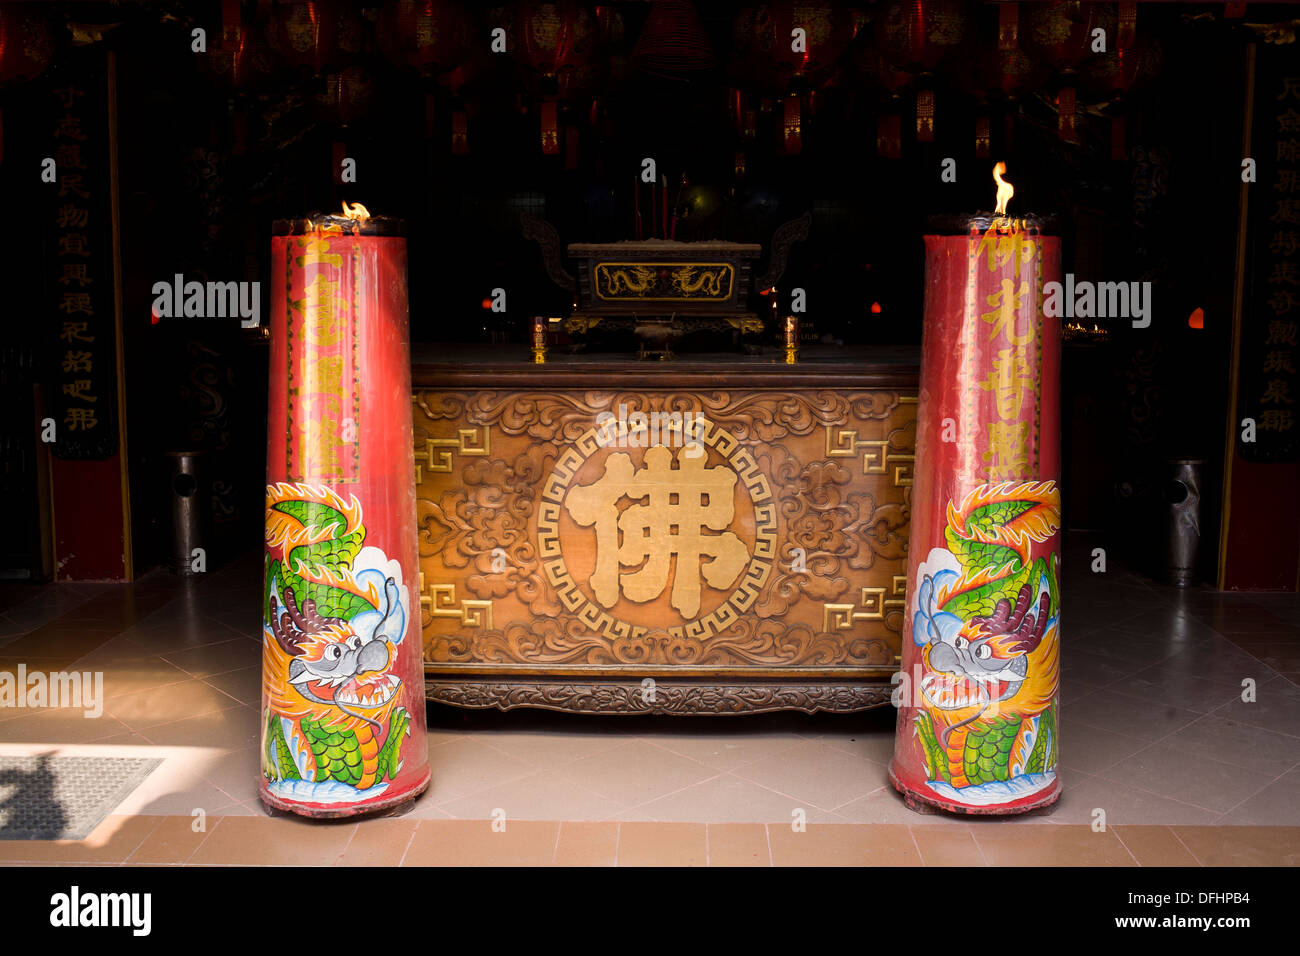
<point x="978" y="710"/>
<point x="343" y="722"/>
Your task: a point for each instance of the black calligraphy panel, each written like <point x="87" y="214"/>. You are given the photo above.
<point x="82" y="337"/>
<point x="1269" y="385"/>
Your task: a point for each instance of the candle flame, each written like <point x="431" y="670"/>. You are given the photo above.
<point x="1005" y="189"/>
<point x="355" y="211"/>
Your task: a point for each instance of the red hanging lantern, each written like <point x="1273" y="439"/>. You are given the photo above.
<point x="348" y="95"/>
<point x="552" y="41"/>
<point x="673" y="41"/>
<point x="1112" y="75"/>
<point x="316" y="35"/>
<point x="1060" y="35"/>
<point x="827" y="31"/>
<point x="915" y="37"/>
<point x="613" y="34"/>
<point x="889" y="77"/>
<point x="996" y="74"/>
<point x="428" y="36"/>
<point x="1013" y="73"/>
<point x="25" y="43"/>
<point x="25" y="48"/>
<point x="241" y="57"/>
<point x="240" y="63"/>
<point x="750" y="66"/>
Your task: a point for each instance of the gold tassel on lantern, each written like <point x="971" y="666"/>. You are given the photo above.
<point x="1008" y="26"/>
<point x="1067" y="118"/>
<point x="550" y="130"/>
<point x="793" y="127"/>
<point x="459" y="134"/>
<point x="889" y="136"/>
<point x="925" y="116"/>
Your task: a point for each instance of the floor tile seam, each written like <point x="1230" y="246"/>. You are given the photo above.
<point x="1223" y="709"/>
<point x="796" y="800"/>
<point x="1127" y="849"/>
<point x="485" y="739"/>
<point x="1153" y="793"/>
<point x="1183" y="844"/>
<point x="663" y="796"/>
<point x="410" y="841"/>
<point x="915" y="845"/>
<point x="1174" y="733"/>
<point x="155" y="727"/>
<point x="531" y="771"/>
<point x="655" y="743"/>
<point x="1255" y="794"/>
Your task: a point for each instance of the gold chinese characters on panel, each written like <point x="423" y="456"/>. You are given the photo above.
<point x="751" y="534"/>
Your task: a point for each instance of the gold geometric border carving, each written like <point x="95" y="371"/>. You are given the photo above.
<point x="440" y="601"/>
<point x="436" y="455"/>
<point x="872" y="605"/>
<point x="877" y="455"/>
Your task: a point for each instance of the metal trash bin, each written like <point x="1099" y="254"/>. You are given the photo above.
<point x="1183" y="523"/>
<point x="188" y="513"/>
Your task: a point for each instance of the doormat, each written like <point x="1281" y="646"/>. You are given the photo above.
<point x="46" y="797"/>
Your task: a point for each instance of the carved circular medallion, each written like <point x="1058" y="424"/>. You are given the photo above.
<point x="656" y="521"/>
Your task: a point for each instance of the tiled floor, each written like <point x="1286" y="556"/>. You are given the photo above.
<point x="1155" y="734"/>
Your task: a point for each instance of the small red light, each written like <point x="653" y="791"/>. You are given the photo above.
<point x="155" y="317"/>
<point x="875" y="308"/>
<point x="486" y="303"/>
<point x="1197" y="319"/>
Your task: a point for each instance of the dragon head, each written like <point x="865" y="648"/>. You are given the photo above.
<point x="333" y="663"/>
<point x="990" y="664"/>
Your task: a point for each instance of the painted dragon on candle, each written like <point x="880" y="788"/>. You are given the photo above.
<point x="986" y="617"/>
<point x="334" y="613"/>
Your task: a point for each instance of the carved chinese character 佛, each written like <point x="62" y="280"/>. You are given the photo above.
<point x="672" y="513"/>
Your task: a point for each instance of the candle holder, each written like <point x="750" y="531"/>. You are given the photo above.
<point x="539" y="340"/>
<point x="791" y="340"/>
<point x="342" y="717"/>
